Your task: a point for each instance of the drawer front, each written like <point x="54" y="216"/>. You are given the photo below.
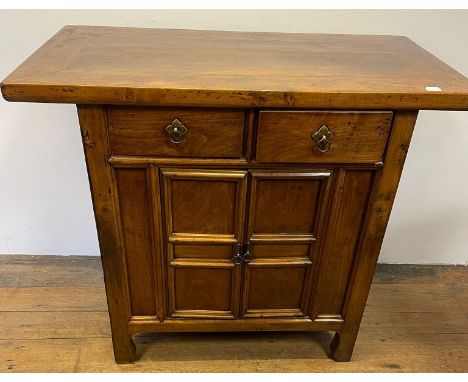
<point x="322" y="136"/>
<point x="176" y="132"/>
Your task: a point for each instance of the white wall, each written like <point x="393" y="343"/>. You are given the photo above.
<point x="45" y="204"/>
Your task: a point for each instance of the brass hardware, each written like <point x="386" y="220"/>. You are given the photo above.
<point x="247" y="255"/>
<point x="237" y="259"/>
<point x="176" y="131"/>
<point x="323" y="138"/>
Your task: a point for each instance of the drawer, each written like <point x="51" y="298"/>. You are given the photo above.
<point x="178" y="132"/>
<point x="322" y="136"/>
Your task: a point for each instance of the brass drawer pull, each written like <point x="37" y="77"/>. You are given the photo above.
<point x="237" y="259"/>
<point x="323" y="138"/>
<point x="176" y="131"/>
<point x="247" y="255"/>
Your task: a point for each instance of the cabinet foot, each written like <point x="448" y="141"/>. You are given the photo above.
<point x="124" y="350"/>
<point x="342" y="346"/>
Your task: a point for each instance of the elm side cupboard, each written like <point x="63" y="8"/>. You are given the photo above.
<point x="240" y="181"/>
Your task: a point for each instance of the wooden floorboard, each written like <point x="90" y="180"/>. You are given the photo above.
<point x="45" y="271"/>
<point x="460" y="293"/>
<point x="53" y="299"/>
<point x="420" y="274"/>
<point x="53" y="318"/>
<point x="50" y="325"/>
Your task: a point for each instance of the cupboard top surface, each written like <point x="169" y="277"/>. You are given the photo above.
<point x="84" y="64"/>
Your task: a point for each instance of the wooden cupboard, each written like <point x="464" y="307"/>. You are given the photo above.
<point x="240" y="181"/>
<point x="241" y="244"/>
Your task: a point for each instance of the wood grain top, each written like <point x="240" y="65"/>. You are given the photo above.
<point x="84" y="64"/>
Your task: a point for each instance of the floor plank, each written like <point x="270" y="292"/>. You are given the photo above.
<point x="411" y="298"/>
<point x="53" y="318"/>
<point x="56" y="299"/>
<point x="50" y="325"/>
<point x="404" y="323"/>
<point x="420" y="274"/>
<point x="227" y="352"/>
<point x="460" y="294"/>
<point x="42" y="271"/>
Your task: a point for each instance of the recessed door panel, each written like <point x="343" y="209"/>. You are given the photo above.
<point x="205" y="206"/>
<point x="276" y="286"/>
<point x="205" y="291"/>
<point x="274" y="250"/>
<point x="284" y="227"/>
<point x="202" y="251"/>
<point x="285" y="205"/>
<point x="204" y="213"/>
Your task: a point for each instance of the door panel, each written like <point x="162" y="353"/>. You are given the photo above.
<point x="286" y="210"/>
<point x="265" y="250"/>
<point x="203" y="251"/>
<point x="202" y="206"/>
<point x="202" y="289"/>
<point x="204" y="214"/>
<point x="275" y="289"/>
<point x="288" y="198"/>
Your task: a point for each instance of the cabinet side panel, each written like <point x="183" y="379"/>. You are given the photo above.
<point x="136" y="224"/>
<point x="106" y="210"/>
<point x="340" y="247"/>
<point x="373" y="233"/>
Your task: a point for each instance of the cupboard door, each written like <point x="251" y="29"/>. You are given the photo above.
<point x="204" y="215"/>
<point x="286" y="210"/>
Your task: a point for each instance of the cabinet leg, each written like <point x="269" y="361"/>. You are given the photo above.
<point x="342" y="345"/>
<point x="124" y="349"/>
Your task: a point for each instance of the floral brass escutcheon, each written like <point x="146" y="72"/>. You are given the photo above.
<point x="323" y="138"/>
<point x="176" y="131"/>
